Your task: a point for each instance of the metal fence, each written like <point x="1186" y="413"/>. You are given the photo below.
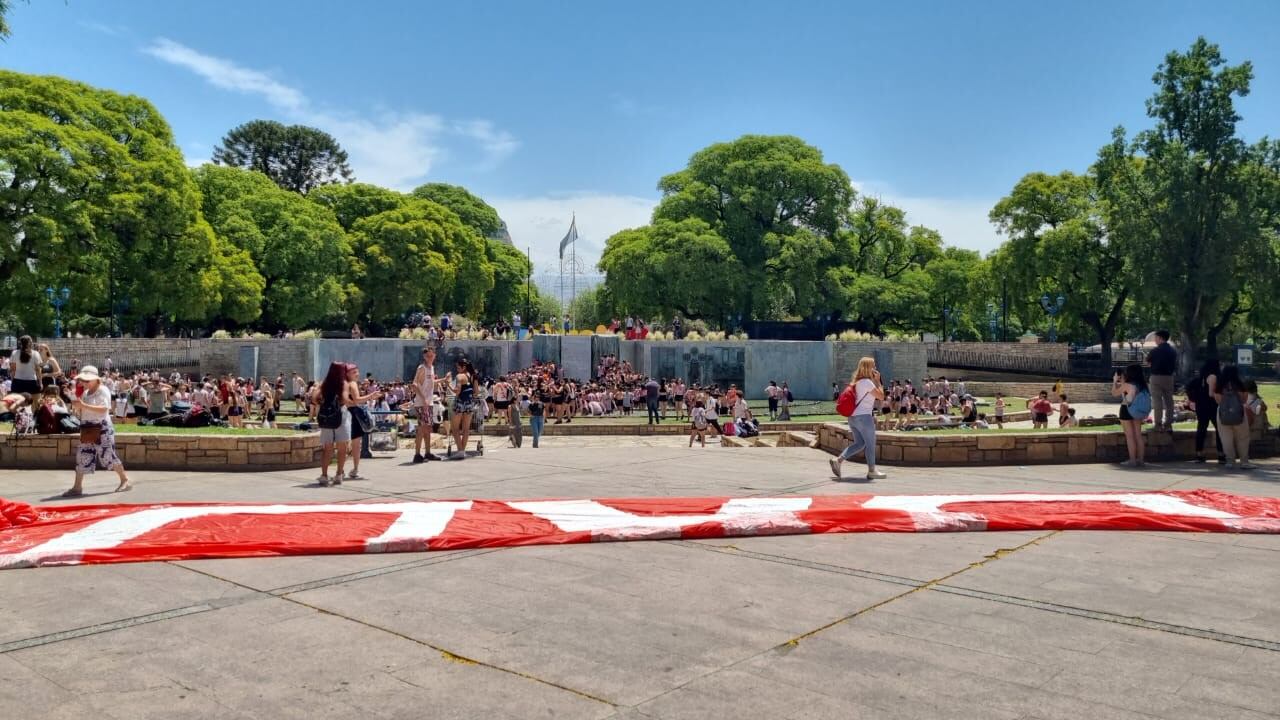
<point x="978" y="359"/>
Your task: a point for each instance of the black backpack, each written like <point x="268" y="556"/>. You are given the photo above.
<point x="1230" y="410"/>
<point x="329" y="416"/>
<point x="1196" y="390"/>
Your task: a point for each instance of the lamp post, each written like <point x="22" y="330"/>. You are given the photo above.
<point x="993" y="321"/>
<point x="947" y="313"/>
<point x="1053" y="308"/>
<point x="57" y="298"/>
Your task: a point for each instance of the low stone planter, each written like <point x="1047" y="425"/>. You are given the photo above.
<point x="229" y="453"/>
<point x="1043" y="448"/>
<point x="667" y="427"/>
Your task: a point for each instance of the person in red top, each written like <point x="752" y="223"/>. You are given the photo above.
<point x="1040" y="408"/>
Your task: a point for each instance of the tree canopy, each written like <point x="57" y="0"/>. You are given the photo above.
<point x="474" y="212"/>
<point x="295" y="157"/>
<point x="94" y="196"/>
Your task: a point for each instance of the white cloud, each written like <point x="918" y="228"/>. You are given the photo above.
<point x="496" y="144"/>
<point x="227" y="75"/>
<point x="962" y="221"/>
<point x="393" y="149"/>
<point x="104" y="28"/>
<point x="541" y="222"/>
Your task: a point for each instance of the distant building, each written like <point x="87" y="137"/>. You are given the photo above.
<point x="501" y="234"/>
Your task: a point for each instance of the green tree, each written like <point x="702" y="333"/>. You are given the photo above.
<point x="94" y="196"/>
<point x="297" y="246"/>
<point x="754" y="193"/>
<point x="475" y="213"/>
<point x="1187" y="195"/>
<point x="5" y="30"/>
<point x="511" y="270"/>
<point x="1059" y="243"/>
<point x="413" y="253"/>
<point x="295" y="157"/>
<point x="672" y="266"/>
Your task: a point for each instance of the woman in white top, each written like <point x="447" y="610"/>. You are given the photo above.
<point x="93" y="406"/>
<point x="25" y="367"/>
<point x="867" y="390"/>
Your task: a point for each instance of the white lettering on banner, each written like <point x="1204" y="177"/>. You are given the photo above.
<point x="416" y="525"/>
<point x="111" y="532"/>
<point x="740" y="516"/>
<point x="927" y="512"/>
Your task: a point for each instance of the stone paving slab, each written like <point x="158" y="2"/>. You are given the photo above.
<point x="991" y="625"/>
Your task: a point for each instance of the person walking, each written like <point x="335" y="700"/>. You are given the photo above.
<point x="1135" y="404"/>
<point x="772" y="392"/>
<point x="867" y="389"/>
<point x="651" y="391"/>
<point x="1163" y="360"/>
<point x="1233" y="421"/>
<point x="329" y="411"/>
<point x="97" y="434"/>
<point x="1200" y="395"/>
<point x="538" y="400"/>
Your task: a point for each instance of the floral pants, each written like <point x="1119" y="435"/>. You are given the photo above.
<point x="102" y="452"/>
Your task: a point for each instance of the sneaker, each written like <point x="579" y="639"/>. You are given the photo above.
<point x="1248" y="466"/>
<point x="1198" y="461"/>
<point x="876" y="475"/>
<point x="353" y="475"/>
<point x="337" y="479"/>
<point x="417" y="458"/>
<point x="432" y="456"/>
<point x="835" y="466"/>
<point x="323" y="481"/>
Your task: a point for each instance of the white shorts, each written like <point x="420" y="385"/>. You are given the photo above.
<point x="342" y="433"/>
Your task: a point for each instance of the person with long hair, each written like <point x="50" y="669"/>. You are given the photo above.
<point x="329" y="410"/>
<point x="1128" y="386"/>
<point x="867" y="390"/>
<point x="1235" y="435"/>
<point x="97" y="434"/>
<point x="356" y="405"/>
<point x="50" y="370"/>
<point x="463" y="382"/>
<point x="1200" y="394"/>
<point x="25" y="367"/>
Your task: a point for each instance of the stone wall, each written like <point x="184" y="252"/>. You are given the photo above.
<point x="979" y="448"/>
<point x="897" y="361"/>
<point x="224" y="453"/>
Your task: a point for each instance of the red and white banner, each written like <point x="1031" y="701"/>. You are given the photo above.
<point x="66" y="535"/>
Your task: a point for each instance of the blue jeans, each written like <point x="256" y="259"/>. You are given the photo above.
<point x="863" y="428"/>
<point x="535" y="425"/>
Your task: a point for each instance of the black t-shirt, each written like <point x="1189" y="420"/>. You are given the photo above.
<point x="651" y="390"/>
<point x="1164" y="359"/>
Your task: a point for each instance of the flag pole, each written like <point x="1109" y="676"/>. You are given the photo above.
<point x="573" y="268"/>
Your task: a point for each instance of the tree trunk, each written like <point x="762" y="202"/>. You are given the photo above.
<point x="1186" y="354"/>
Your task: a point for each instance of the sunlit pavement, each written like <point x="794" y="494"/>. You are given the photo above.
<point x="991" y="625"/>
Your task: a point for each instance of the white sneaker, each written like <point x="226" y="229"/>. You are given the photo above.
<point x="353" y="475"/>
<point x="876" y="475"/>
<point x="337" y="479"/>
<point x="1248" y="466"/>
<point x="835" y="466"/>
<point x="323" y="481"/>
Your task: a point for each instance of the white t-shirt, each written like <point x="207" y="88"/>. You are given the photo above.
<point x="864" y="394"/>
<point x="99" y="396"/>
<point x="26" y="370"/>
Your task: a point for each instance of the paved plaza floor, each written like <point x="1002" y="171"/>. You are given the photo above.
<point x="985" y="625"/>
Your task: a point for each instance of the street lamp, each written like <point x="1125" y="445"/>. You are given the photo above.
<point x="947" y="314"/>
<point x="57" y="298"/>
<point x="993" y="321"/>
<point x="1053" y="308"/>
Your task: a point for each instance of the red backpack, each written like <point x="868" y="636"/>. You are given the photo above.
<point x="847" y="402"/>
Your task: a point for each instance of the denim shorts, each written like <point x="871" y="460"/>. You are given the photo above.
<point x="342" y="433"/>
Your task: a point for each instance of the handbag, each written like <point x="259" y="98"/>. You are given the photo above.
<point x="361" y="416"/>
<point x="90" y="433"/>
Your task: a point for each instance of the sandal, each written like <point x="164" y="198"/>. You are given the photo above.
<point x="73" y="494"/>
<point x="125" y="486"/>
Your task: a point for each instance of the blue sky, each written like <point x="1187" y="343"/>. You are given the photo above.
<point x="545" y="108"/>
